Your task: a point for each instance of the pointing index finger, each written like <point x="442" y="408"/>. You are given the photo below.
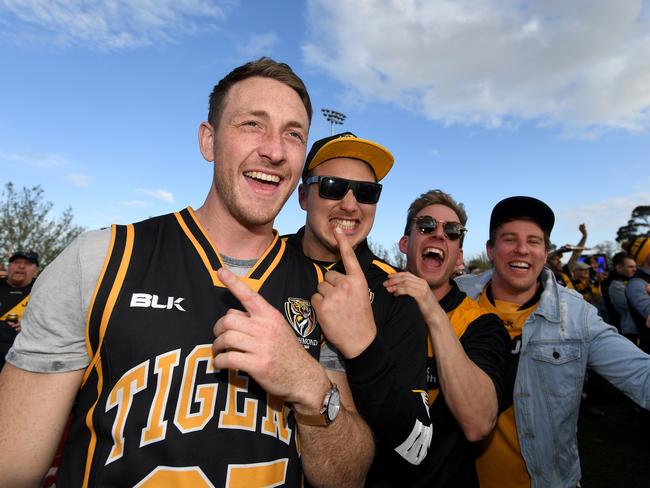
<point x="348" y="257"/>
<point x="250" y="299"/>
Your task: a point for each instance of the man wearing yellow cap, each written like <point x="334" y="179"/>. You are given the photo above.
<point x="382" y="351"/>
<point x="637" y="290"/>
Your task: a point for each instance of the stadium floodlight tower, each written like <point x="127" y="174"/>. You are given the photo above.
<point x="333" y="117"/>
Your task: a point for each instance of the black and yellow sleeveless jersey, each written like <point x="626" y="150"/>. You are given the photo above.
<point x="13" y="299"/>
<point x="152" y="410"/>
<point x="590" y="290"/>
<point x="498" y="459"/>
<point x="388" y="379"/>
<point x="485" y="341"/>
<point x="563" y="279"/>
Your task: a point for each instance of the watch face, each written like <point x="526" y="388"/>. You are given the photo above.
<point x="334" y="405"/>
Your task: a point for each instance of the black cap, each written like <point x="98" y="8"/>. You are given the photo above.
<point x="532" y="208"/>
<point x="28" y="255"/>
<point x="347" y="145"/>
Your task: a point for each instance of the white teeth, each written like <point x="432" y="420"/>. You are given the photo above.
<point x="344" y="224"/>
<point x="520" y="264"/>
<point x="434" y="250"/>
<point x="258" y="175"/>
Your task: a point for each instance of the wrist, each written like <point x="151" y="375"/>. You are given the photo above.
<point x="310" y="401"/>
<point x="437" y="320"/>
<point x="352" y="349"/>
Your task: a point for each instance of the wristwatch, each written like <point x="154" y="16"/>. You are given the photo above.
<point x="329" y="410"/>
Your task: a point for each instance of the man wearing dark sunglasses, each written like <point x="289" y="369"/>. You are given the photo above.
<point x="556" y="335"/>
<point x="384" y="352"/>
<point x="466" y="346"/>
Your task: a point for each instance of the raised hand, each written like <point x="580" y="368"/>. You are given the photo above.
<point x="342" y="304"/>
<point x="405" y="283"/>
<point x="260" y="342"/>
<point x="583" y="230"/>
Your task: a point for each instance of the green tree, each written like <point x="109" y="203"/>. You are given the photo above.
<point x="394" y="257"/>
<point x="26" y="224"/>
<point x="638" y="225"/>
<point x="480" y="261"/>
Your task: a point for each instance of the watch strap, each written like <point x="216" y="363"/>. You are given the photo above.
<point x="320" y="419"/>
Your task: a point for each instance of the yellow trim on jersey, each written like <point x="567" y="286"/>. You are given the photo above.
<point x="204" y="257"/>
<point x="319" y="273"/>
<point x="89" y="349"/>
<point x="112" y="298"/>
<point x="18" y="309"/>
<point x="386" y="268"/>
<point x="263" y="256"/>
<point x="96" y="360"/>
<point x="253" y="283"/>
<point x="89" y="423"/>
<point x="256" y="284"/>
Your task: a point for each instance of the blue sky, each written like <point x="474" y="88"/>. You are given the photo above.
<point x="100" y="101"/>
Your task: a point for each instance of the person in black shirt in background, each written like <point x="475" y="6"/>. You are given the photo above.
<point x="14" y="295"/>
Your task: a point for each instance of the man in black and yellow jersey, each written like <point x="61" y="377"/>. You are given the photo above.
<point x="14" y="295"/>
<point x="467" y="346"/>
<point x="584" y="284"/>
<point x="555" y="335"/>
<point x="183" y="373"/>
<point x="563" y="273"/>
<point x="383" y="354"/>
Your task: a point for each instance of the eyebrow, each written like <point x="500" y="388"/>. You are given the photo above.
<point x="265" y="114"/>
<point x="514" y="234"/>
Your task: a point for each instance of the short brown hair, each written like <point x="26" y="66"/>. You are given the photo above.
<point x="265" y="68"/>
<point x="435" y="197"/>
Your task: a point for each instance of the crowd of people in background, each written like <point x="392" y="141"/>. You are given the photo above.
<point x="604" y="281"/>
<point x="202" y="348"/>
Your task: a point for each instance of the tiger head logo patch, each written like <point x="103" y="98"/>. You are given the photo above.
<point x="300" y="315"/>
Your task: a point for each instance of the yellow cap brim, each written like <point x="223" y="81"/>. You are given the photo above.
<point x="377" y="156"/>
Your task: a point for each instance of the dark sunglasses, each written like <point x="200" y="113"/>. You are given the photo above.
<point x="428" y="225"/>
<point x="334" y="188"/>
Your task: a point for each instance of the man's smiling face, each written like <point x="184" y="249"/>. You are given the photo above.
<point x="433" y="257"/>
<point x="323" y="215"/>
<point x="518" y="254"/>
<point x="258" y="148"/>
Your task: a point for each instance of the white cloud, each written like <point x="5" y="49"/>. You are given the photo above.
<point x="583" y="65"/>
<point x="109" y="25"/>
<point x="134" y="203"/>
<point x="164" y="195"/>
<point x="602" y="217"/>
<point x="259" y="44"/>
<point x="35" y="159"/>
<point x="77" y="179"/>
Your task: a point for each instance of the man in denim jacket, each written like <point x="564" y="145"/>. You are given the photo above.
<point x="555" y="336"/>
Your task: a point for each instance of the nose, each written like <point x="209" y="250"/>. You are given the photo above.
<point x="521" y="247"/>
<point x="271" y="147"/>
<point x="349" y="202"/>
<point x="439" y="231"/>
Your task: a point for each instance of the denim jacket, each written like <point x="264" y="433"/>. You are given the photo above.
<point x="562" y="338"/>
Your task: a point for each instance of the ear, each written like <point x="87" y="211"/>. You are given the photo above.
<point x="404" y="244"/>
<point x="459" y="258"/>
<point x="206" y="141"/>
<point x="489" y="250"/>
<point x="302" y="196"/>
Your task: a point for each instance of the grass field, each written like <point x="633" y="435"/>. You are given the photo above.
<point x="615" y="445"/>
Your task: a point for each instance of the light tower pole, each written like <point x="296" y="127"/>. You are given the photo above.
<point x="333" y="117"/>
